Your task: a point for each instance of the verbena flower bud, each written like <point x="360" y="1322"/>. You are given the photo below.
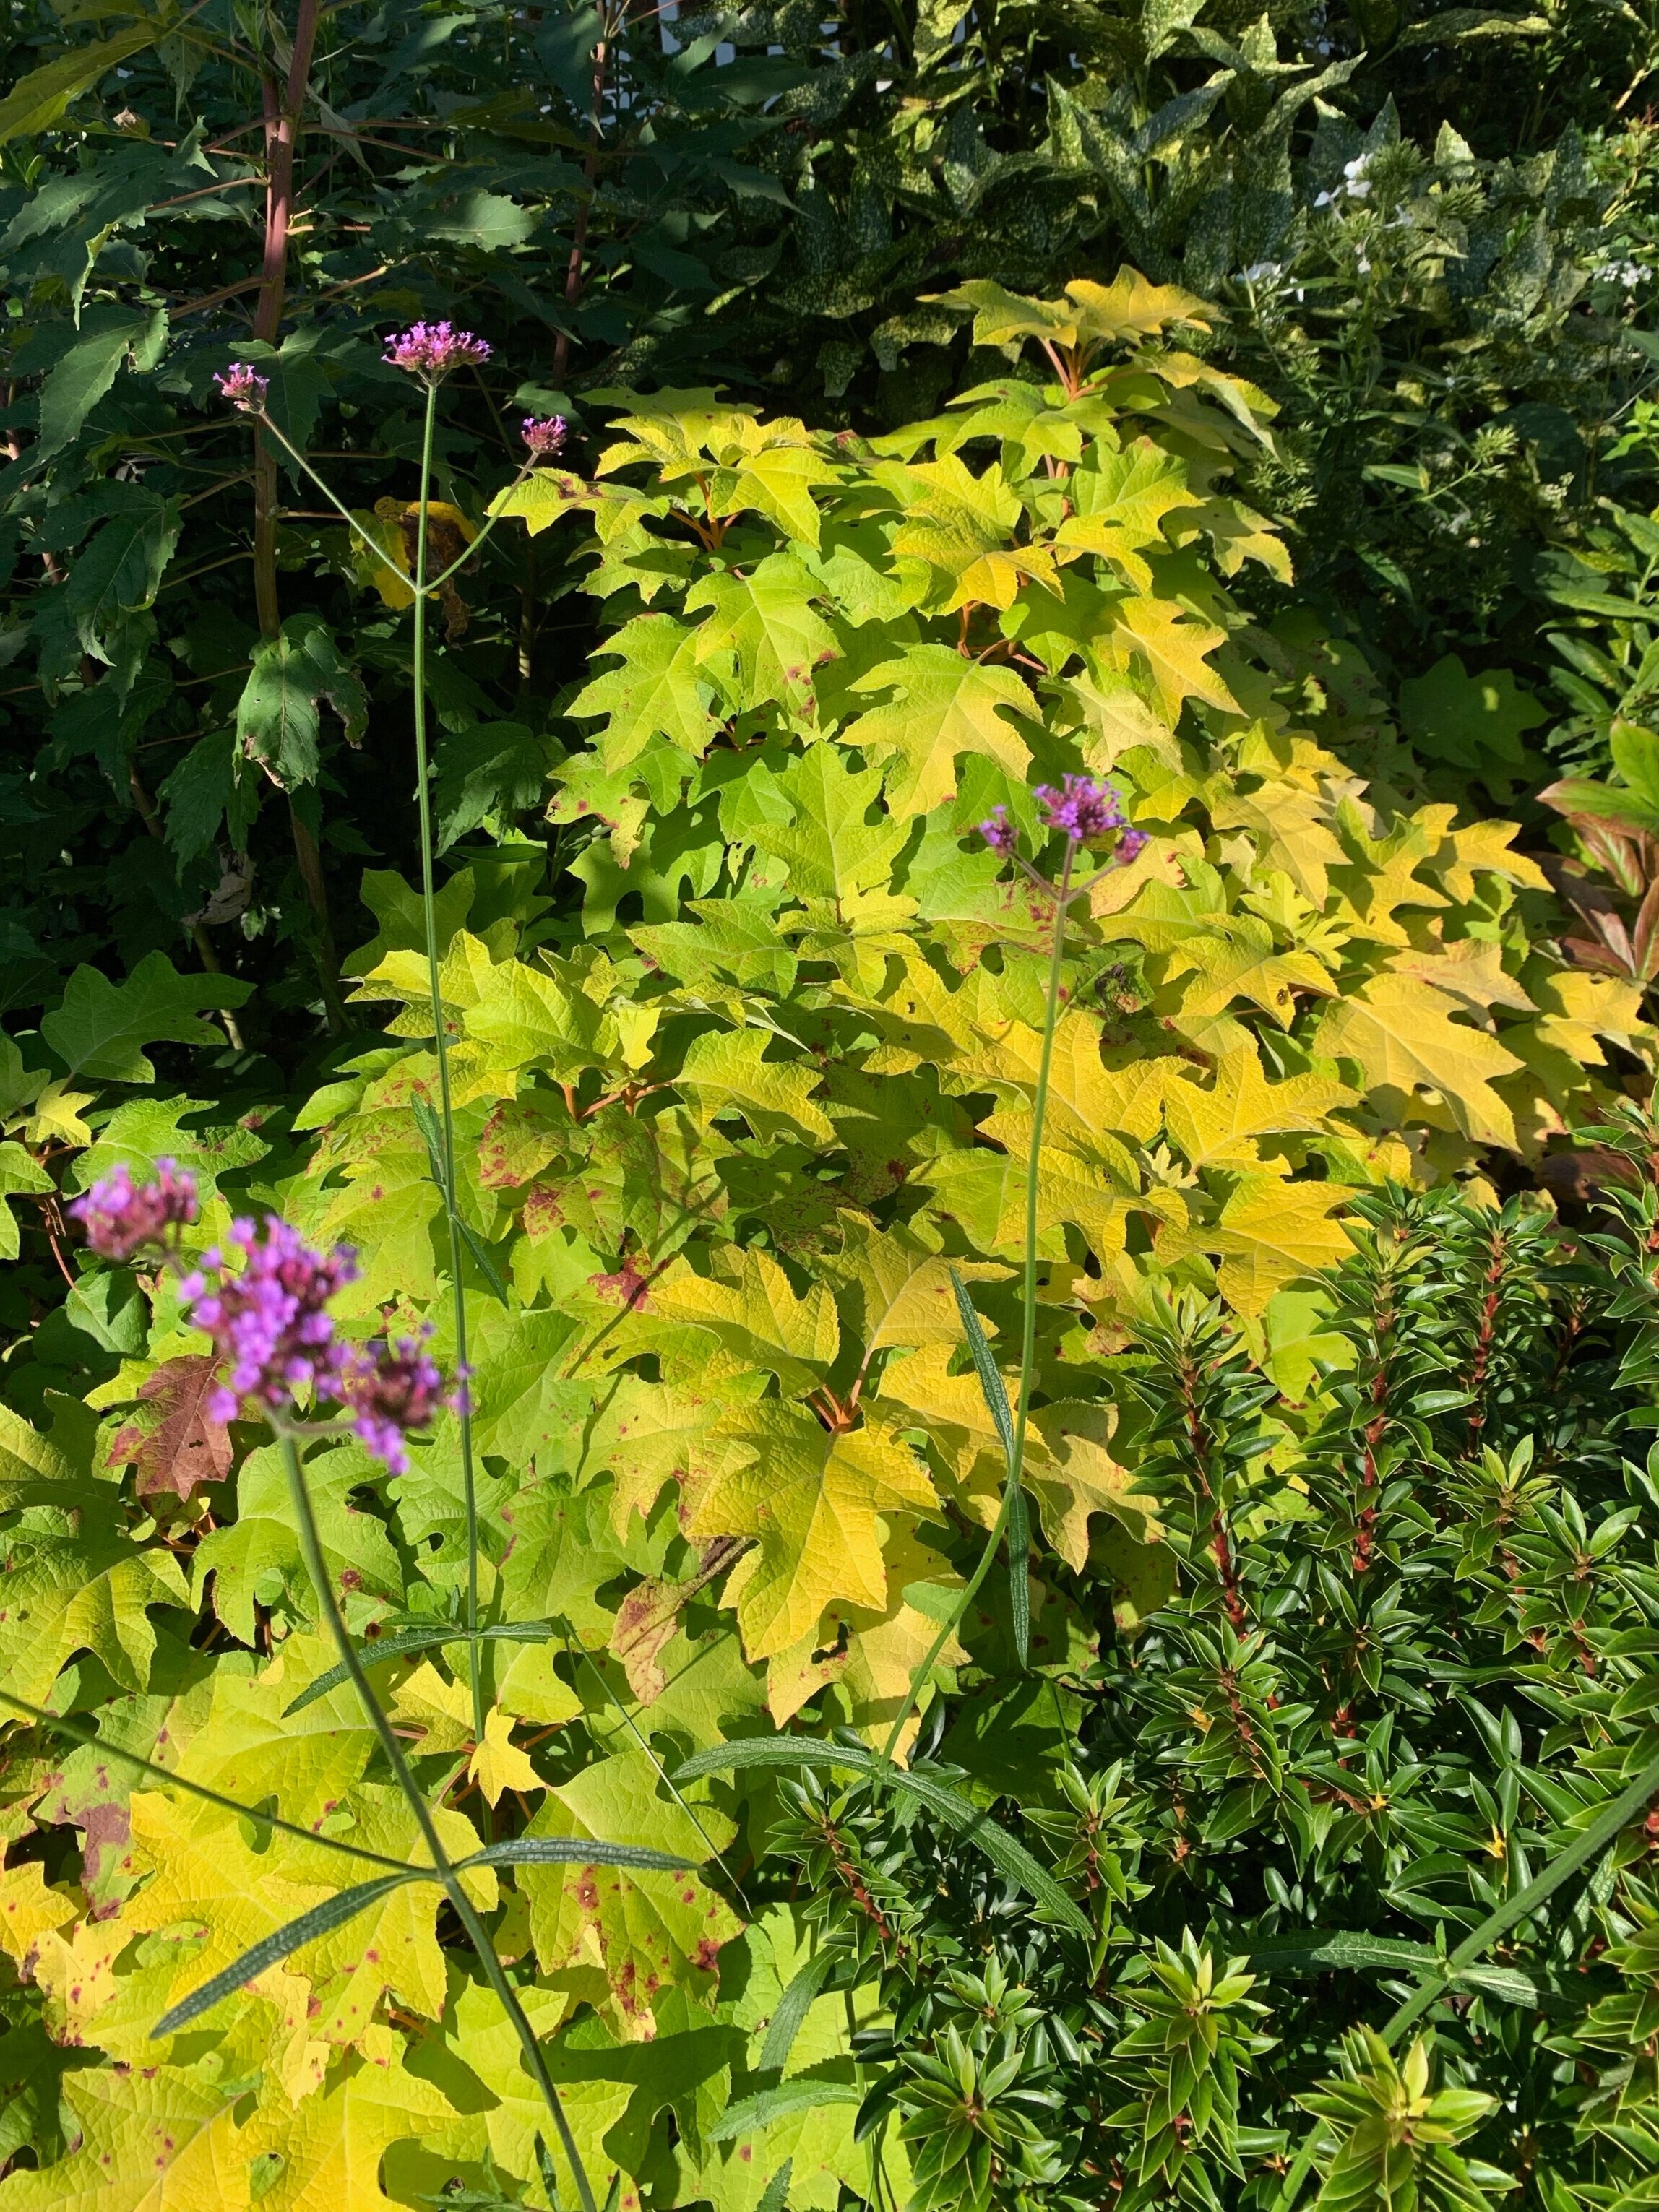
<point x="392" y="1389"/>
<point x="268" y="1323"/>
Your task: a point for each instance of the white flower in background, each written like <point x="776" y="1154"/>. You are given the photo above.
<point x="1355" y="186"/>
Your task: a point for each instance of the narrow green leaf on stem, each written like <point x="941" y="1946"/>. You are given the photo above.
<point x="1008" y="1856"/>
<point x="399" y="1643"/>
<point x="803" y="2095"/>
<point x="790" y="2013"/>
<point x="576" y="1850"/>
<point x="774" y="2197"/>
<point x="321" y="1920"/>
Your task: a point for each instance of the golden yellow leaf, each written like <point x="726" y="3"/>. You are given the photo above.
<point x="1292" y="828"/>
<point x="1217" y="1128"/>
<point x="1405" y="1040"/>
<point x="497" y="1764"/>
<point x="1470" y="970"/>
<point x="1202" y="977"/>
<point x="1269" y="1233"/>
<point x="331" y="2146"/>
<point x="755" y="1315"/>
<point x="28" y="1908"/>
<point x="812" y="1502"/>
<point x="441" y="1710"/>
<point x="1076" y="1477"/>
<point x="1173" y="646"/>
<point x="1483" y="848"/>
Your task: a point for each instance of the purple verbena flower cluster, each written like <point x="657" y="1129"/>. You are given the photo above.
<point x="121" y="1217"/>
<point x="1082" y="808"/>
<point x="546" y="435"/>
<point x="243" y="386"/>
<point x="431" y="351"/>
<point x="999" y="832"/>
<point x="268" y="1322"/>
<point x="393" y="1389"/>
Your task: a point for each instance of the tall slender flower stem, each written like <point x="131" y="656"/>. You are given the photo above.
<point x="447" y="1112"/>
<point x="1062" y="896"/>
<point x="477" y="1934"/>
<point x="428" y="589"/>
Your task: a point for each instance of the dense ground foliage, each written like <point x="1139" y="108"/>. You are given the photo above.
<point x="1042" y="1590"/>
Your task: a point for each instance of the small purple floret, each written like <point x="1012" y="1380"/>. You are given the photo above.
<point x="1083" y="809"/>
<point x="1132" y="842"/>
<point x="431" y="351"/>
<point x="546" y="435"/>
<point x="243" y="386"/>
<point x="999" y="832"/>
<point x="121" y="1217"/>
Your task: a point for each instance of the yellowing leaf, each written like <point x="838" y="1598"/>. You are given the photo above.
<point x="207" y="1875"/>
<point x="648" y="1934"/>
<point x="1576" y="1009"/>
<point x="1076" y="1477"/>
<point x="765" y="617"/>
<point x="506" y="2122"/>
<point x="1402" y="1034"/>
<point x="1269" y="1233"/>
<point x="1291" y="826"/>
<point x="151" y="2139"/>
<point x="1470" y="971"/>
<point x="943" y="706"/>
<point x="1090" y="312"/>
<point x="1483" y="848"/>
<point x="440" y="1708"/>
<point x="1217" y="1128"/>
<point x="775" y="477"/>
<point x="1173" y="646"/>
<point x="660" y="690"/>
<point x="532" y="1017"/>
<point x="497" y="1764"/>
<point x="725" y="1070"/>
<point x="332" y="2145"/>
<point x="28" y="1908"/>
<point x="1243" y="965"/>
<point x="811" y="1501"/>
<point x="650" y="1433"/>
<point x="902" y="1289"/>
<point x="756" y="1316"/>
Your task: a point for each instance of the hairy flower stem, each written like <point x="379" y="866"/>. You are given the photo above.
<point x="447" y="1112"/>
<point x="477" y="1934"/>
<point x="1062" y="896"/>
